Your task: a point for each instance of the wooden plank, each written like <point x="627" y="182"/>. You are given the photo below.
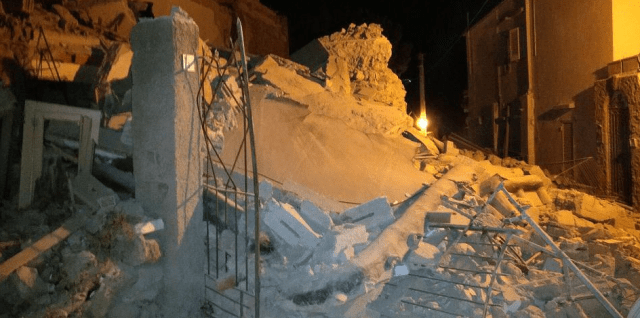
<point x="85" y="154"/>
<point x="42" y="245"/>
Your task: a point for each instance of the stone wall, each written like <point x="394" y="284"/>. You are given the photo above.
<point x="629" y="86"/>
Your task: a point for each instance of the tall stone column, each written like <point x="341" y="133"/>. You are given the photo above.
<point x="166" y="157"/>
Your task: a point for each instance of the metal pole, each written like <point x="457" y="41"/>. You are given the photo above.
<point x="254" y="162"/>
<point x="423" y="104"/>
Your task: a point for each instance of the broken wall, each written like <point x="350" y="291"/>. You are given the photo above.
<point x="621" y="90"/>
<point x="265" y="31"/>
<point x="356" y="61"/>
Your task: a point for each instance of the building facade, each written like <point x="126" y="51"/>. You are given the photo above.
<point x="532" y="66"/>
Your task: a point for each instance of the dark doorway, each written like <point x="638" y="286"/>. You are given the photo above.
<point x="620" y="149"/>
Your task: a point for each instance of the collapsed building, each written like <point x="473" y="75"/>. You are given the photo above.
<point x="306" y="181"/>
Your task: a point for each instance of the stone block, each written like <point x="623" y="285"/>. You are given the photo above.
<point x="319" y="221"/>
<point x="375" y="214"/>
<point x="288" y="226"/>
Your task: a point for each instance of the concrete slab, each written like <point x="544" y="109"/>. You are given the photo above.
<point x="375" y="214"/>
<point x="319" y="221"/>
<point x="288" y="226"/>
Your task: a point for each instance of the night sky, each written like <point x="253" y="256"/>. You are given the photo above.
<point x="433" y="27"/>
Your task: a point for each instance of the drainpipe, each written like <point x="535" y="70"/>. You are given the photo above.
<point x="531" y="117"/>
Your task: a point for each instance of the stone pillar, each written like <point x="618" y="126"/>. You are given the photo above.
<point x="166" y="157"/>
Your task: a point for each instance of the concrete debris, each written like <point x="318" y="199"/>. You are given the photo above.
<point x="468" y="234"/>
<point x="288" y="226"/>
<point x="319" y="221"/>
<point x="375" y="214"/>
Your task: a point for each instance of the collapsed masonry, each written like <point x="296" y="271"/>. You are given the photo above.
<point x="351" y="227"/>
<point x="355" y="61"/>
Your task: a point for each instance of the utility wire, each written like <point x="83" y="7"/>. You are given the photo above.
<point x="457" y="39"/>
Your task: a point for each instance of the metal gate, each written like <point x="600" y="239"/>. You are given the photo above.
<point x="620" y="150"/>
<point x="232" y="278"/>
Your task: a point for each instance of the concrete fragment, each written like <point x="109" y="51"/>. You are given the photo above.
<point x="375" y="214"/>
<point x="319" y="221"/>
<point x="426" y="255"/>
<point x="282" y="74"/>
<point x="288" y="226"/>
<point x="596" y="210"/>
<point x="347" y="237"/>
<point x="527" y="183"/>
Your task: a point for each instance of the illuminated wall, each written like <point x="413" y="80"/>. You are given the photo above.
<point x="573" y="42"/>
<point x="626" y="28"/>
<point x="265" y="31"/>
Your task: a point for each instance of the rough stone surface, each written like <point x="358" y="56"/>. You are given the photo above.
<point x="605" y="91"/>
<point x="130" y="207"/>
<point x="356" y="62"/>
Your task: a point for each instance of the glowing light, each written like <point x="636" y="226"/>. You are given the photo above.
<point x="422" y="123"/>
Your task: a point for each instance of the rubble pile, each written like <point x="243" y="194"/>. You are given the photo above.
<point x="470" y="244"/>
<point x="355" y="61"/>
<point x="107" y="266"/>
<point x="361" y="214"/>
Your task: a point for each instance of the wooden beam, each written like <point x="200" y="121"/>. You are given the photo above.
<point x="42" y="245"/>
